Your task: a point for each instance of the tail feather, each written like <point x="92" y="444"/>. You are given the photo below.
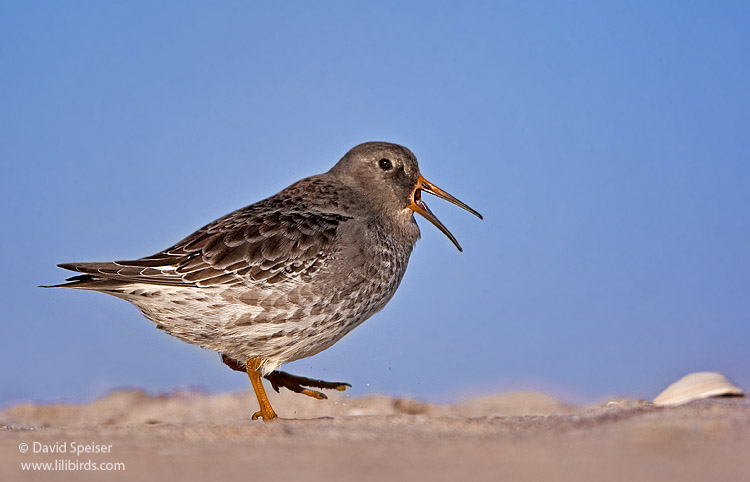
<point x="91" y="280"/>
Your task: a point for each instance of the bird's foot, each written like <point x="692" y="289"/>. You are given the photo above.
<point x="297" y="384"/>
<point x="265" y="417"/>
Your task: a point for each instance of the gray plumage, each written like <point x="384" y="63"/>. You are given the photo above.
<point x="287" y="277"/>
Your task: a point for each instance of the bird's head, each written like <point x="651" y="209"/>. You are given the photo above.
<point x="388" y="175"/>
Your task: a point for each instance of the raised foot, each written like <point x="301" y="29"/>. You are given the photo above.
<point x="297" y="384"/>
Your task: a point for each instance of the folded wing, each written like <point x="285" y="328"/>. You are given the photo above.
<point x="251" y="245"/>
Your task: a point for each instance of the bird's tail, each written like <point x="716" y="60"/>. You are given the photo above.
<point x="92" y="279"/>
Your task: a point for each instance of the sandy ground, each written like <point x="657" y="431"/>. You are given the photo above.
<point x="518" y="436"/>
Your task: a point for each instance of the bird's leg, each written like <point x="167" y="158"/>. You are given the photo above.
<point x="253" y="371"/>
<point x="296" y="384"/>
<point x="291" y="382"/>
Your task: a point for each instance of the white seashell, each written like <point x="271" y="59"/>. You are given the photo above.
<point x="696" y="386"/>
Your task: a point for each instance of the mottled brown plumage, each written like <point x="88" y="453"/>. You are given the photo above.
<point x="286" y="277"/>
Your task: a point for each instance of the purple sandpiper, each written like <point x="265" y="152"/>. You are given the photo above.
<point x="286" y="277"/>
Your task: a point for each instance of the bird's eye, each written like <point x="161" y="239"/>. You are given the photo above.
<point x="385" y="164"/>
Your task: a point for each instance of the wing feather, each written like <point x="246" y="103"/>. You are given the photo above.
<point x="262" y="243"/>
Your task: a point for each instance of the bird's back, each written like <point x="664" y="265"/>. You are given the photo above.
<point x="283" y="278"/>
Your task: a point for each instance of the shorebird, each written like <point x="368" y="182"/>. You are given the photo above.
<point x="286" y="277"/>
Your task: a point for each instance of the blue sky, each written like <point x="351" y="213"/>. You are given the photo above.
<point x="606" y="143"/>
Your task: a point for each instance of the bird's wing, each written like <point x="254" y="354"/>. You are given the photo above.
<point x="251" y="245"/>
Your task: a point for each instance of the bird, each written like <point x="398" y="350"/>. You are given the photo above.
<point x="286" y="277"/>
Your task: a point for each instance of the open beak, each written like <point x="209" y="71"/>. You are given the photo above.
<point x="419" y="207"/>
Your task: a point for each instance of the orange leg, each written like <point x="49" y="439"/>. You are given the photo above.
<point x="296" y="384"/>
<point x="253" y="371"/>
